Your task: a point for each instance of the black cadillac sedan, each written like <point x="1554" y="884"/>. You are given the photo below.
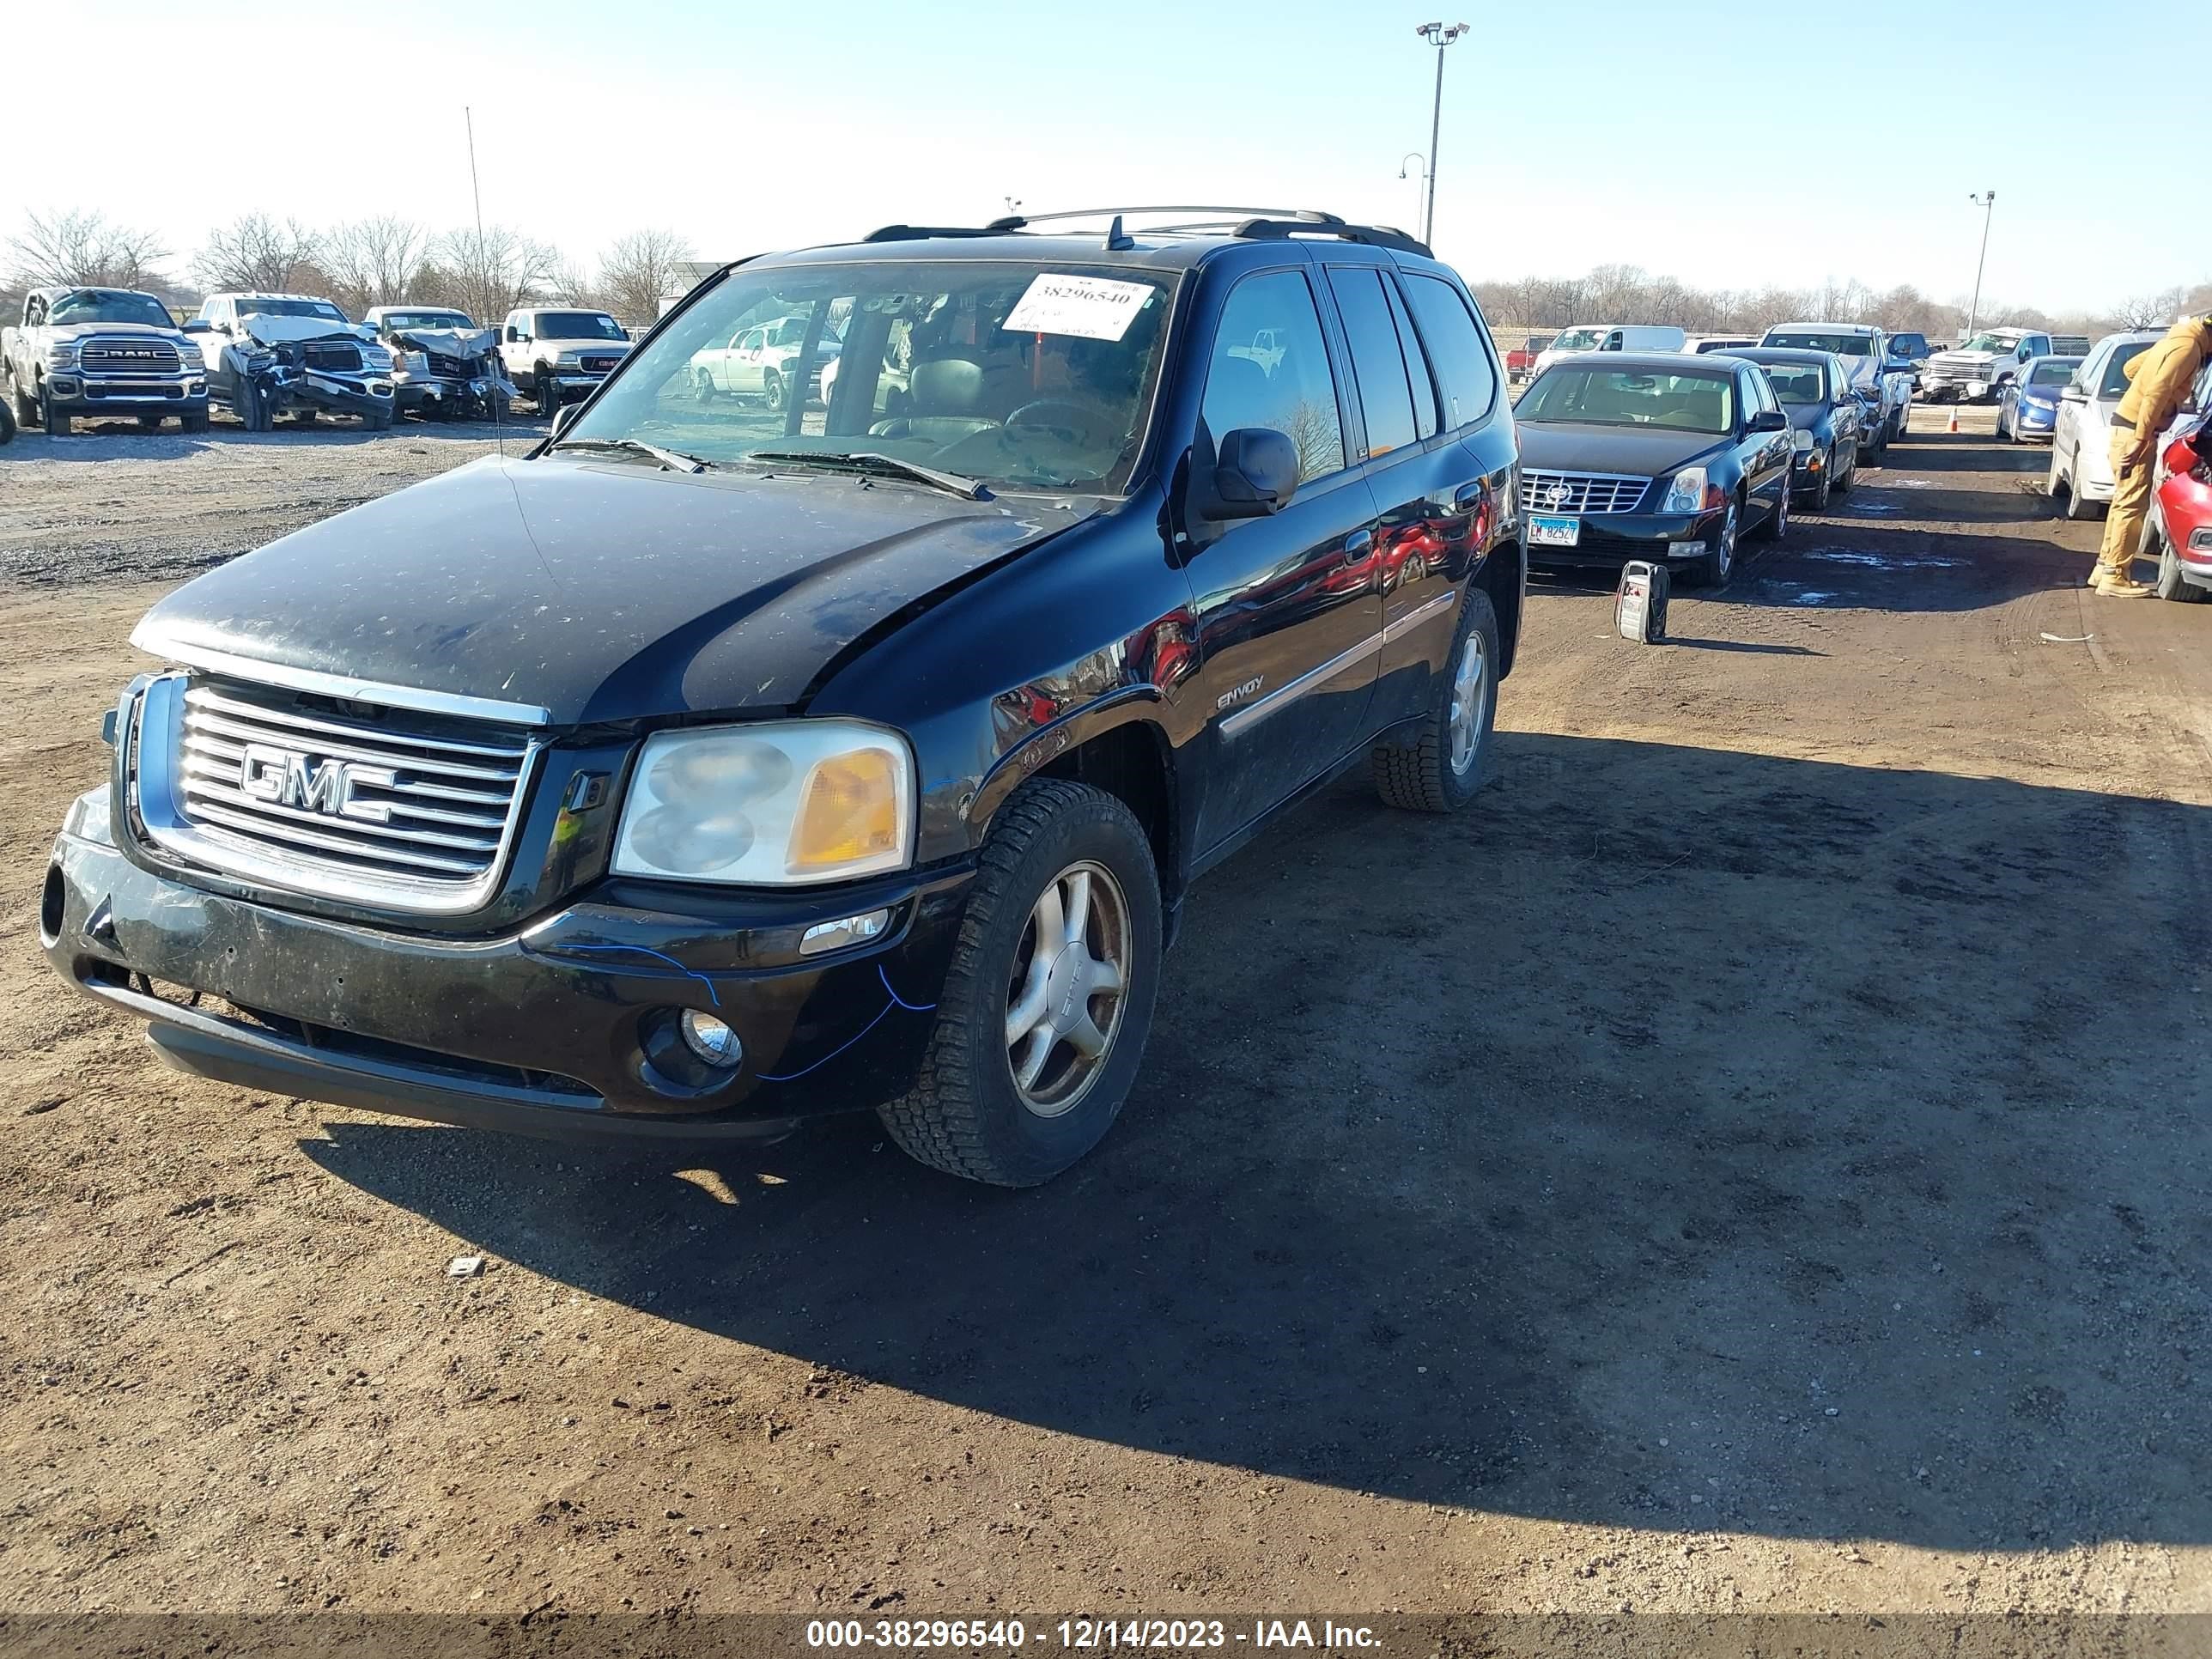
<point x="1826" y="418"/>
<point x="1662" y="457"/>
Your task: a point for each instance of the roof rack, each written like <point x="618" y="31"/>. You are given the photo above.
<point x="1251" y="223"/>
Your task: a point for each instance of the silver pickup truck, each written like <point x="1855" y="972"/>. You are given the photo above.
<point x="101" y="351"/>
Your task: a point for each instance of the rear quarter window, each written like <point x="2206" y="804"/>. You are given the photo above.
<point x="1465" y="372"/>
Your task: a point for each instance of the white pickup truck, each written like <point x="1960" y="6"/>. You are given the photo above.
<point x="559" y="353"/>
<point x="101" y="351"/>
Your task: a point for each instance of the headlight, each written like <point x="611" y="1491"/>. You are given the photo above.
<point x="1801" y="442"/>
<point x="567" y="360"/>
<point x="1688" y="493"/>
<point x="376" y="360"/>
<point x="796" y="802"/>
<point x="62" y="354"/>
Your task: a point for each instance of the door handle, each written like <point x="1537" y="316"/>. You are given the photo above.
<point x="1358" y="545"/>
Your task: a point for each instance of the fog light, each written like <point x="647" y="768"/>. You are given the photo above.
<point x="1686" y="550"/>
<point x="847" y="930"/>
<point x="710" y="1039"/>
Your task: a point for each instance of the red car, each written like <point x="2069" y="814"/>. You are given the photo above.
<point x="1521" y="362"/>
<point x="2179" y="533"/>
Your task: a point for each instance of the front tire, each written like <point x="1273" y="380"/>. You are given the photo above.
<point x="1718" y="566"/>
<point x="55" y="418"/>
<point x="1827" y="485"/>
<point x="1040" y="1025"/>
<point x="1443" y="771"/>
<point x="547" y="392"/>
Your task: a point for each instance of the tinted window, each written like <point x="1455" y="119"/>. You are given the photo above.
<point x="1418" y="369"/>
<point x="1270" y="369"/>
<point x="1376" y="362"/>
<point x="2115" y="383"/>
<point x="1455" y="348"/>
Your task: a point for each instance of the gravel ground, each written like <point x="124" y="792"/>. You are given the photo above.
<point x="1756" y="1162"/>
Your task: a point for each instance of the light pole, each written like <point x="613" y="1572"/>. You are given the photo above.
<point x="1438" y="35"/>
<point x="1422" y="175"/>
<point x="1987" y="201"/>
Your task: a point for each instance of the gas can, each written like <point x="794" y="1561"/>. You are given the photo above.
<point x="1639" y="611"/>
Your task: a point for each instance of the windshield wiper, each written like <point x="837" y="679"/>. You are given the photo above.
<point x="869" y="460"/>
<point x="672" y="459"/>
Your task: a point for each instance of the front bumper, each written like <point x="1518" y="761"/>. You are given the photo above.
<point x="1612" y="539"/>
<point x="1939" y="385"/>
<point x="2029" y="421"/>
<point x="549" y="1030"/>
<point x="1807" y="468"/>
<point x="368" y="395"/>
<point x="137" y="394"/>
<point x="443" y="393"/>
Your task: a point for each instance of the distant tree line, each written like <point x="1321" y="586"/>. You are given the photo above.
<point x="363" y="263"/>
<point x="1624" y="294"/>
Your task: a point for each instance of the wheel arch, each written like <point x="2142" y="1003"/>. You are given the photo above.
<point x="1504" y="577"/>
<point x="1117" y="745"/>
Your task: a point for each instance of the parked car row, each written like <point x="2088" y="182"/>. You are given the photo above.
<point x="79" y="352"/>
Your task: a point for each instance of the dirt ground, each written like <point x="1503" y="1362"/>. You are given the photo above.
<point x="1758" y="1161"/>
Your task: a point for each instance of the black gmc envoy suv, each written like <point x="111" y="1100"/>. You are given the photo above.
<point x="733" y="757"/>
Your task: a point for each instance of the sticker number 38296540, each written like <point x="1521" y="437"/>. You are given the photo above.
<point x="1090" y="307"/>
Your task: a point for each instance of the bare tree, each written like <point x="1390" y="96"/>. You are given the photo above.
<point x="2149" y="310"/>
<point x="639" y="271"/>
<point x="494" y="269"/>
<point x="258" y="252"/>
<point x="78" y="249"/>
<point x="373" y="261"/>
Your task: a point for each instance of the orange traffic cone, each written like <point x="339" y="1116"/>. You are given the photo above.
<point x="1954" y="427"/>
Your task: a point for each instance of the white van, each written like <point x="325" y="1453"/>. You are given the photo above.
<point x="1610" y="336"/>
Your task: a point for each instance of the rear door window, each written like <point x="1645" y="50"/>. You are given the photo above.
<point x="1377" y="364"/>
<point x="1270" y="369"/>
<point x="1463" y="365"/>
<point x="1419" y="370"/>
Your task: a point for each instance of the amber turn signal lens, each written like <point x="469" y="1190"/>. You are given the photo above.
<point x="850" y="812"/>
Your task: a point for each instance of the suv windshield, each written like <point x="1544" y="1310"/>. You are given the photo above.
<point x="578" y="325"/>
<point x="1844" y="345"/>
<point x="426" y="319"/>
<point x="101" y="305"/>
<point x="254" y="306"/>
<point x="1578" y="339"/>
<point x="1615" y="396"/>
<point x="1021" y="376"/>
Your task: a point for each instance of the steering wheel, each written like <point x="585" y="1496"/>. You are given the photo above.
<point x="1063" y="418"/>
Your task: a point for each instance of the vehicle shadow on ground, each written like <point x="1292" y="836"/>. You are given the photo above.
<point x="1836" y="560"/>
<point x="1740" y="1143"/>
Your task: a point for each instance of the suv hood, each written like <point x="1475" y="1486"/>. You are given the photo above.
<point x="597" y="590"/>
<point x="597" y="348"/>
<point x="462" y="342"/>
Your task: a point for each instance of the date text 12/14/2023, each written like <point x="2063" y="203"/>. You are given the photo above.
<point x="1085" y="1633"/>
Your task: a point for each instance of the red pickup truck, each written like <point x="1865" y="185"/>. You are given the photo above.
<point x="1521" y="362"/>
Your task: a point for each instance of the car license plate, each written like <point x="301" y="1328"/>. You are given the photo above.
<point x="1544" y="532"/>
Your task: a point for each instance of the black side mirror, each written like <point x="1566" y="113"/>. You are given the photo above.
<point x="1255" y="473"/>
<point x="1770" y="420"/>
<point x="199" y="325"/>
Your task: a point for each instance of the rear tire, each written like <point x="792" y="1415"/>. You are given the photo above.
<point x="1776" y="525"/>
<point x="965" y="1114"/>
<point x="703" y="385"/>
<point x="1443" y="771"/>
<point x="2077" y="511"/>
<point x="2171" y="583"/>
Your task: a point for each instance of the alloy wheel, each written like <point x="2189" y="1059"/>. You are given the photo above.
<point x="1068" y="989"/>
<point x="1470" y="702"/>
<point x="1725" y="547"/>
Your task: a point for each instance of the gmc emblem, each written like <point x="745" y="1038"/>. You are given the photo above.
<point x="284" y="777"/>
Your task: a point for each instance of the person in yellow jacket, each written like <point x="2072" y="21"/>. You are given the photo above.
<point x="2158" y="380"/>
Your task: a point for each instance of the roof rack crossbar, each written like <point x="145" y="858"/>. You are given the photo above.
<point x="1260" y="224"/>
<point x="1232" y="211"/>
<point x="1367" y="236"/>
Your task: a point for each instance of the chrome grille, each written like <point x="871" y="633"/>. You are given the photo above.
<point x="127" y="357"/>
<point x="1580" y="492"/>
<point x="318" y="354"/>
<point x="387" y="807"/>
<point x="599" y="365"/>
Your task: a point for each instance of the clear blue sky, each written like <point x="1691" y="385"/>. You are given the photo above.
<point x="1704" y="139"/>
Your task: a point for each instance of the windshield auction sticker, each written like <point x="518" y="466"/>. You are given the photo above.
<point x="1090" y="307"/>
